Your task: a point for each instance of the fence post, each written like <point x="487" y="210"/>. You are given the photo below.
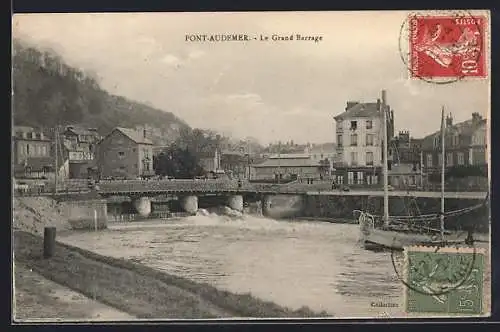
<point x="49" y="241"/>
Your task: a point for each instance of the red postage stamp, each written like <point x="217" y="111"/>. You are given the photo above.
<point x="447" y="46"/>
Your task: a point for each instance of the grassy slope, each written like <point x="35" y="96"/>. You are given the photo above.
<point x="139" y="290"/>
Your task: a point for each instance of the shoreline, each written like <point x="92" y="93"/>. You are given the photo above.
<point x="141" y="291"/>
<point x="38" y="299"/>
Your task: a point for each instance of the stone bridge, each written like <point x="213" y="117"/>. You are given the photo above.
<point x="188" y="191"/>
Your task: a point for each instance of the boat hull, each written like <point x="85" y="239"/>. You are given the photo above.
<point x="380" y="238"/>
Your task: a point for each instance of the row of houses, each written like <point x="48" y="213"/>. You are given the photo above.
<point x="354" y="159"/>
<point x="357" y="157"/>
<point x="81" y="153"/>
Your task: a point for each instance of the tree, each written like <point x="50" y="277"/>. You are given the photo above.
<point x="177" y="162"/>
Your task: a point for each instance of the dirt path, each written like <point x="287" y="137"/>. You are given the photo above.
<point x="39" y="299"/>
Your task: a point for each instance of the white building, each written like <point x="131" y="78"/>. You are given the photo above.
<point x="359" y="135"/>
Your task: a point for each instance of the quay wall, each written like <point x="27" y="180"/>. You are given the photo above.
<point x="341" y="207"/>
<point x="81" y="214"/>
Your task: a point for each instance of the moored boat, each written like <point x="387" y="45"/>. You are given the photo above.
<point x="397" y="232"/>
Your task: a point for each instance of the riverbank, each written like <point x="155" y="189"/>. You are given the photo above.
<point x="138" y="290"/>
<point x="39" y="299"/>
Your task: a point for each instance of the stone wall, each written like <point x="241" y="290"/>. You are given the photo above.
<point x="341" y="207"/>
<point x="81" y="214"/>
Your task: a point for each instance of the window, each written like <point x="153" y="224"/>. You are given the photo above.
<point x="449" y="159"/>
<point x="339" y="140"/>
<point x="436" y="141"/>
<point x="369" y="124"/>
<point x="360" y="177"/>
<point x="460" y="158"/>
<point x="354" y="139"/>
<point x="340" y="179"/>
<point x="354" y="125"/>
<point x="44" y="150"/>
<point x="369" y="158"/>
<point x="28" y="149"/>
<point x="456" y="140"/>
<point x="350" y="177"/>
<point x="121" y="154"/>
<point x="429" y="160"/>
<point x="369" y="139"/>
<point x="339" y="125"/>
<point x="440" y="159"/>
<point x="354" y="158"/>
<point x="374" y="179"/>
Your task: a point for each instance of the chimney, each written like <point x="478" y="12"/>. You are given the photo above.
<point x="449" y="120"/>
<point x="378" y="104"/>
<point x="350" y="104"/>
<point x="476" y="117"/>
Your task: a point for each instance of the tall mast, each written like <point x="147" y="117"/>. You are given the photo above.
<point x="279" y="161"/>
<point x="385" y="152"/>
<point x="56" y="161"/>
<point x="421" y="169"/>
<point x="443" y="161"/>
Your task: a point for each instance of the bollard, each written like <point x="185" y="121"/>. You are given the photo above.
<point x="49" y="242"/>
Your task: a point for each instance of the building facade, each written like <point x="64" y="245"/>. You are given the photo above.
<point x="288" y="166"/>
<point x="236" y="164"/>
<point x="359" y="143"/>
<point x="210" y="160"/>
<point x="28" y="143"/>
<point x="34" y="155"/>
<point x="81" y="145"/>
<point x="465" y="144"/>
<point x="125" y="153"/>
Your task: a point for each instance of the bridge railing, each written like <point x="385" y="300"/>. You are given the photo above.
<point x="233" y="185"/>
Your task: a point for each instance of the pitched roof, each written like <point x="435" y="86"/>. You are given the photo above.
<point x="134" y="135"/>
<point x="289" y="162"/>
<point x="464" y="128"/>
<point x="290" y="156"/>
<point x="360" y="110"/>
<point x="81" y="131"/>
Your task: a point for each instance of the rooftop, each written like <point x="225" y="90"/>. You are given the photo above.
<point x="134" y="135"/>
<point x="288" y="162"/>
<point x="359" y="110"/>
<point x="290" y="156"/>
<point x="464" y="129"/>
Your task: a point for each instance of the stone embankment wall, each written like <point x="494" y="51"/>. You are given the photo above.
<point x="341" y="207"/>
<point x="87" y="214"/>
<point x="33" y="214"/>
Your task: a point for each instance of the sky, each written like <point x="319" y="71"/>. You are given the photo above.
<point x="272" y="91"/>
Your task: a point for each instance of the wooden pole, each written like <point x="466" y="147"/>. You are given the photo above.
<point x="443" y="161"/>
<point x="49" y="242"/>
<point x="385" y="159"/>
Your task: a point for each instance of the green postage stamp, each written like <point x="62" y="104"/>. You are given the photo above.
<point x="444" y="280"/>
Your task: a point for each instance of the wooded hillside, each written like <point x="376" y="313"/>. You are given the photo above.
<point x="48" y="92"/>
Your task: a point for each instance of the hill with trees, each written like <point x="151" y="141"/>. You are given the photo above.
<point x="48" y="92"/>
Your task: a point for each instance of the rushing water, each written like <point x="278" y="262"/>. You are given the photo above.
<point x="292" y="263"/>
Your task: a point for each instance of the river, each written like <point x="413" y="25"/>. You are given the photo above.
<point x="292" y="263"/>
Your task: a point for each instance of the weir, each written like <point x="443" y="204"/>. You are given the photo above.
<point x="143" y="206"/>
<point x="190" y="204"/>
<point x="235" y="202"/>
